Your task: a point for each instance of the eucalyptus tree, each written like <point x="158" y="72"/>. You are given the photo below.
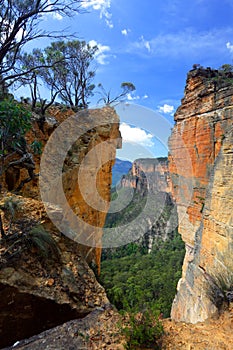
<point x="64" y="68"/>
<point x="71" y="71"/>
<point x="108" y="99"/>
<point x="20" y="23"/>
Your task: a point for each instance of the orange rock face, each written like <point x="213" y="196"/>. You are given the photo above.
<point x="85" y="170"/>
<point x="150" y="173"/>
<point x="87" y="177"/>
<point x="197" y="144"/>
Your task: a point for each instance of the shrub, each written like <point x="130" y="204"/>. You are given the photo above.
<point x="15" y="121"/>
<point x="142" y="329"/>
<point x="36" y="147"/>
<point x="10" y="207"/>
<point x="45" y="245"/>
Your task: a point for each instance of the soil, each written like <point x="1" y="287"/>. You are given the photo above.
<point x="213" y="334"/>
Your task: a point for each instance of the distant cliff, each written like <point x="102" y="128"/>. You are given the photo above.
<point x="147" y="188"/>
<point x="148" y="174"/>
<point x="200" y="164"/>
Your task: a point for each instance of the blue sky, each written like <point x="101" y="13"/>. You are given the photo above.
<point x="153" y="44"/>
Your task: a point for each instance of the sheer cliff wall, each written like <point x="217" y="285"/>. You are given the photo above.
<point x="200" y="165"/>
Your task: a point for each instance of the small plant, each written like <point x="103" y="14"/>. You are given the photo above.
<point x="220" y="290"/>
<point x="43" y="242"/>
<point x="10" y="207"/>
<point x="36" y="147"/>
<point x="142" y="329"/>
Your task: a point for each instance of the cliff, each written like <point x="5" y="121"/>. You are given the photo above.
<point x="148" y="174"/>
<point x="45" y="278"/>
<point x="200" y="164"/>
<point x="149" y="212"/>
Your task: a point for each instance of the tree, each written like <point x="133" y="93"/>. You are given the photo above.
<point x="70" y="73"/>
<point x="106" y="97"/>
<point x="15" y="154"/>
<point x="226" y="68"/>
<point x="37" y="68"/>
<point x="65" y="67"/>
<point x="19" y="25"/>
<point x="15" y="121"/>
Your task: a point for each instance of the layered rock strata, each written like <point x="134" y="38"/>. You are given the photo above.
<point x="148" y="174"/>
<point x="150" y="213"/>
<point x="200" y="165"/>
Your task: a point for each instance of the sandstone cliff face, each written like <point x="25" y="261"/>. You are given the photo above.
<point x="200" y="164"/>
<point x="37" y="294"/>
<point x="148" y="174"/>
<point x="93" y="136"/>
<point x="148" y="183"/>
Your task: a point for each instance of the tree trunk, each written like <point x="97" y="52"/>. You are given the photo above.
<point x="1" y="228"/>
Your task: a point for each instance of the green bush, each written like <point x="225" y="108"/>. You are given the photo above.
<point x="142" y="329"/>
<point x="36" y="147"/>
<point x="10" y="206"/>
<point x="45" y="245"/>
<point x="15" y="121"/>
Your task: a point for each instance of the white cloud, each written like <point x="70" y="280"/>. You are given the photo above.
<point x="136" y="135"/>
<point x="57" y="16"/>
<point x="100" y="56"/>
<point x="144" y="44"/>
<point x="229" y="47"/>
<point x="102" y="6"/>
<point x="54" y="15"/>
<point x="125" y="32"/>
<point x="130" y="97"/>
<point x="200" y="44"/>
<point x="167" y="109"/>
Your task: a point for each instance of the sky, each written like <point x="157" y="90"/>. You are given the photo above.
<point x="153" y="44"/>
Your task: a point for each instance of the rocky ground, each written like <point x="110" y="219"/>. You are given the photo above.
<point x="214" y="334"/>
<point x="100" y="330"/>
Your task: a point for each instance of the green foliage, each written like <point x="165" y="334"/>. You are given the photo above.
<point x="10" y="206"/>
<point x="226" y="68"/>
<point x="142" y="329"/>
<point x="36" y="147"/>
<point x="70" y="73"/>
<point x="221" y="77"/>
<point x="14" y="123"/>
<point x="220" y="289"/>
<point x="132" y="210"/>
<point x="144" y="281"/>
<point x="45" y="245"/>
<point x="21" y="23"/>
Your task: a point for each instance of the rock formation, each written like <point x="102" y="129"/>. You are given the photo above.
<point x="200" y="165"/>
<point x="146" y="190"/>
<point x="148" y="174"/>
<point x="38" y="288"/>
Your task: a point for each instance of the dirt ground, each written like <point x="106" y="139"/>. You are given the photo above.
<point x="214" y="334"/>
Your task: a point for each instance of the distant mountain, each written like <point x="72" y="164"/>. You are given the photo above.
<point x="121" y="167"/>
